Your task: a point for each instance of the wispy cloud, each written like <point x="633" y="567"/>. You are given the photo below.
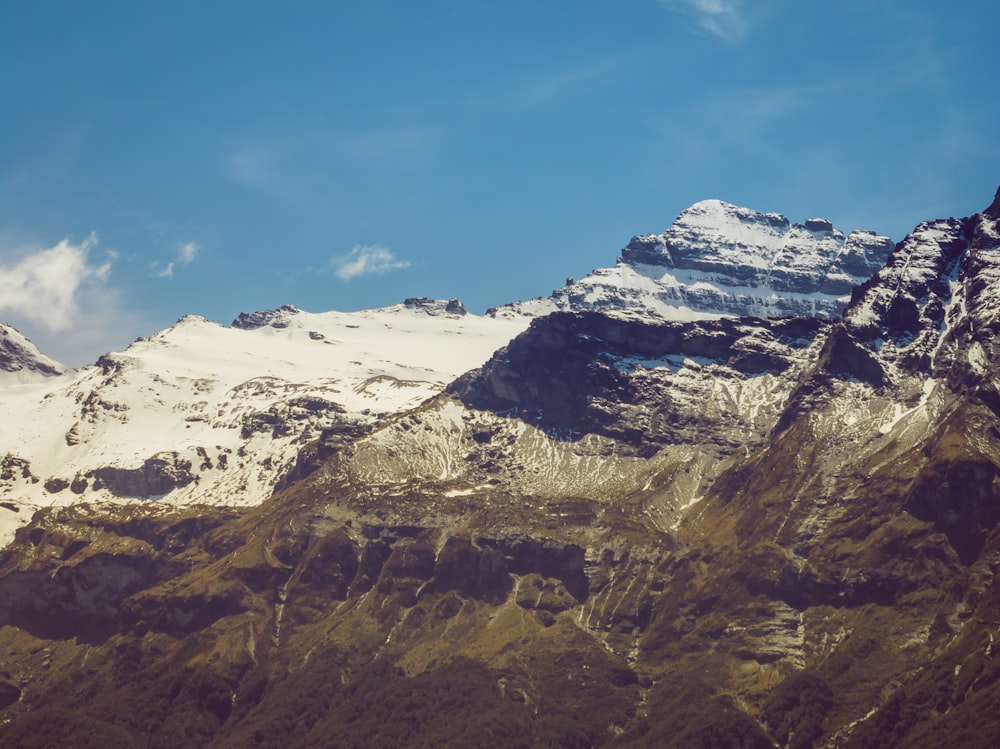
<point x="367" y="260"/>
<point x="44" y="285"/>
<point x="186" y="253"/>
<point x="723" y="18"/>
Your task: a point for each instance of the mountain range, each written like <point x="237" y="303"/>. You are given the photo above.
<point x="740" y="489"/>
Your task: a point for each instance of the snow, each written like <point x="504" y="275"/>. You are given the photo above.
<point x="672" y="362"/>
<point x="213" y="396"/>
<point x="189" y="390"/>
<point x="678" y="295"/>
<point x="720" y="260"/>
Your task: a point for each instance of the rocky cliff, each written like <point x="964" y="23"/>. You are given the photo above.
<point x="20" y="357"/>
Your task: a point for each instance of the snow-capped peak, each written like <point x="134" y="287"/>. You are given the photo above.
<point x="21" y="359"/>
<point x="719" y="259"/>
<point x="219" y="413"/>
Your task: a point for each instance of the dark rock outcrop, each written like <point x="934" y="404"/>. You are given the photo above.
<point x="156" y="476"/>
<point x="275" y="318"/>
<point x="18" y="354"/>
<point x="576" y="373"/>
<point x="435" y="306"/>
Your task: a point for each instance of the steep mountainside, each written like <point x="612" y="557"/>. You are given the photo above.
<point x="619" y="531"/>
<point x="719" y="259"/>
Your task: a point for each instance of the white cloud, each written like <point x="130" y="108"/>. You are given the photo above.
<point x="187" y="252"/>
<point x="723" y="18"/>
<point x="103" y="323"/>
<point x="44" y="285"/>
<point x="367" y="260"/>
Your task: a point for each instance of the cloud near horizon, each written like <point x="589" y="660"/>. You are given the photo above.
<point x="44" y="286"/>
<point x="722" y="18"/>
<point x="367" y="260"/>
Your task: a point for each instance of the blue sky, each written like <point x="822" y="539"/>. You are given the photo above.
<point x="165" y="158"/>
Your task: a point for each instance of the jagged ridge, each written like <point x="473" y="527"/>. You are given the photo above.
<point x="718" y="259"/>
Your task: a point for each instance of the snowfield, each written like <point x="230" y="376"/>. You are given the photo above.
<point x="222" y="411"/>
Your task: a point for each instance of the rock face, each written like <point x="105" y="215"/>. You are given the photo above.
<point x="740" y="247"/>
<point x="435" y="306"/>
<point x="619" y="531"/>
<point x="721" y="259"/>
<point x="157" y="476"/>
<point x="635" y="379"/>
<point x="19" y="355"/>
<point x="274" y="318"/>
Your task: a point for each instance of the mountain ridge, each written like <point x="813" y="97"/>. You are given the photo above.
<point x="619" y="531"/>
<point x="85" y="447"/>
<point x="718" y="259"/>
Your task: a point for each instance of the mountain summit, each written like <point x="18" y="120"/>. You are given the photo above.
<point x="721" y="260"/>
<point x="19" y="356"/>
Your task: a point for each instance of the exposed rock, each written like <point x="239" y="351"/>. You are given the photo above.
<point x="73" y="435"/>
<point x="18" y="354"/>
<point x="544" y="594"/>
<point x="286" y="417"/>
<point x="157" y="475"/>
<point x="13" y="467"/>
<point x="56" y="485"/>
<point x="275" y="318"/>
<point x="590" y="373"/>
<point x="844" y="356"/>
<point x="544" y="557"/>
<point x="471" y="570"/>
<point x="720" y="259"/>
<point x="435" y="306"/>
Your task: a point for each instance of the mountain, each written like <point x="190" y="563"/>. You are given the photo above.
<point x="20" y="359"/>
<point x="719" y="259"/>
<point x="206" y="413"/>
<point x="619" y="530"/>
<point x="212" y="414"/>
